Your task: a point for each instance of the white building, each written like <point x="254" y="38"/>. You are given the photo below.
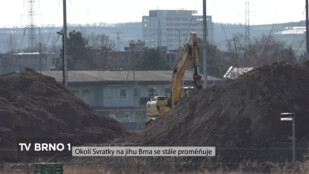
<point x="171" y="28"/>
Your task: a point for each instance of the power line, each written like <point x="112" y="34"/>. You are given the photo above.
<point x="300" y="45"/>
<point x="247" y="24"/>
<point x="48" y="36"/>
<point x="224" y="32"/>
<point x="269" y="34"/>
<point x="21" y="42"/>
<point x="76" y="14"/>
<point x="51" y="28"/>
<point x="298" y="26"/>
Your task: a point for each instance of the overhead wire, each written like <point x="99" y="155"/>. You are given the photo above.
<point x="300" y="44"/>
<point x="221" y="24"/>
<point x="79" y="25"/>
<point x="51" y="28"/>
<point x="22" y="39"/>
<point x="298" y="26"/>
<point x="20" y="45"/>
<point x="54" y="44"/>
<point x="270" y="32"/>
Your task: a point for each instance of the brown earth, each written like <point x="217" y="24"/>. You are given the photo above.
<point x="241" y="118"/>
<point x="34" y="105"/>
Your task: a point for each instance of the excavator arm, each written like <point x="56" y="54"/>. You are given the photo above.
<point x="189" y="54"/>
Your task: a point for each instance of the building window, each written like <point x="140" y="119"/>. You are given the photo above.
<point x="167" y="91"/>
<point x="54" y="61"/>
<point x="85" y="92"/>
<point x="75" y="92"/>
<point x="153" y="14"/>
<point x="123" y="93"/>
<point x="136" y="92"/>
<point x="199" y="19"/>
<point x="109" y="93"/>
<point x="143" y="101"/>
<point x="125" y="60"/>
<point x="151" y="92"/>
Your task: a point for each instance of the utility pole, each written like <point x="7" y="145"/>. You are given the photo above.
<point x="64" y="37"/>
<point x="205" y="45"/>
<point x="289" y="116"/>
<point x="40" y="57"/>
<point x="136" y="114"/>
<point x="237" y="62"/>
<point x="118" y="38"/>
<point x="307" y="40"/>
<point x="11" y="44"/>
<point x="179" y="38"/>
<point x="133" y="58"/>
<point x="293" y="144"/>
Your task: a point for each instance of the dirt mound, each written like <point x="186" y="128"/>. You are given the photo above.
<point x="241" y="118"/>
<point x="33" y="105"/>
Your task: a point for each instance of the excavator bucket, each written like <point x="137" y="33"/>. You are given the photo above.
<point x="197" y="81"/>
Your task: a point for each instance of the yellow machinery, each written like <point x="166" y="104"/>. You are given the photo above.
<point x="162" y="104"/>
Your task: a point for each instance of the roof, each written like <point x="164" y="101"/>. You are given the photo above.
<point x="26" y="54"/>
<point x="234" y="72"/>
<point x="120" y="76"/>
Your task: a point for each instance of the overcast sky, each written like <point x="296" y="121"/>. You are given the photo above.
<point x="14" y="12"/>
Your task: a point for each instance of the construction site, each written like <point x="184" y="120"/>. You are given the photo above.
<point x="241" y="118"/>
<point x="169" y="99"/>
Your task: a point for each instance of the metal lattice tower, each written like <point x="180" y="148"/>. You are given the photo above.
<point x="31" y="23"/>
<point x="247" y="23"/>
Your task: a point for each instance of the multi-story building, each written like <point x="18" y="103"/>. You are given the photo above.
<point x="171" y="28"/>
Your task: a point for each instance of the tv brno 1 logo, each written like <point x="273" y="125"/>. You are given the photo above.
<point x="45" y="147"/>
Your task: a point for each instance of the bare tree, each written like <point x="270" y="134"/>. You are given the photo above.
<point x="98" y="41"/>
<point x="12" y="44"/>
<point x="263" y="51"/>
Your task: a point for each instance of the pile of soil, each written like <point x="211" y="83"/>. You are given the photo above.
<point x="241" y="118"/>
<point x="34" y="105"/>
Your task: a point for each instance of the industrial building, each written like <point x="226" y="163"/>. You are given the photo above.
<point x="122" y="95"/>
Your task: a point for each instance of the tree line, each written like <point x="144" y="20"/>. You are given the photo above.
<point x="261" y="51"/>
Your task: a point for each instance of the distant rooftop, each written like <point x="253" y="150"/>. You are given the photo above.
<point x="121" y="76"/>
<point x="293" y="30"/>
<point x="181" y="11"/>
<point x="26" y="53"/>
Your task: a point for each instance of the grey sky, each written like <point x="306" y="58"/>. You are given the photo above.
<point x="14" y="12"/>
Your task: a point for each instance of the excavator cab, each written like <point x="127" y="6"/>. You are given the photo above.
<point x="157" y="106"/>
<point x="188" y="91"/>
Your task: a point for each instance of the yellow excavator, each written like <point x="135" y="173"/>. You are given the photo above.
<point x="162" y="104"/>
